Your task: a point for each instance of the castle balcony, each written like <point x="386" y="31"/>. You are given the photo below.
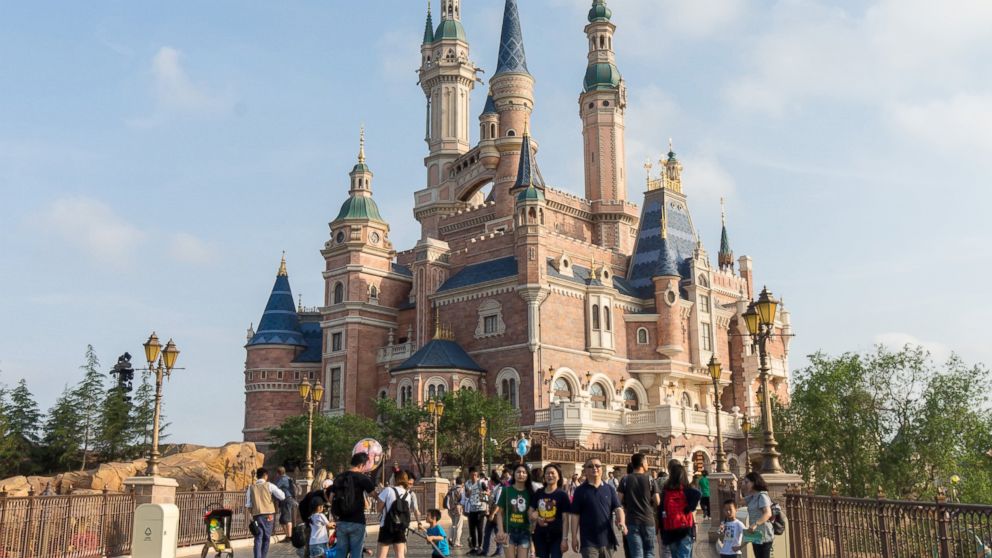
<point x="394" y="353"/>
<point x="577" y="420"/>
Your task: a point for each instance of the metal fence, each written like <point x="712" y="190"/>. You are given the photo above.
<point x="193" y="505"/>
<point x="841" y="527"/>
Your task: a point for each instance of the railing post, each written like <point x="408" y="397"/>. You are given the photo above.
<point x="3" y="514"/>
<point x="883" y="526"/>
<point x="943" y="519"/>
<point x="835" y="520"/>
<point x="103" y="522"/>
<point x="795" y="530"/>
<point x="26" y="537"/>
<point x="811" y="520"/>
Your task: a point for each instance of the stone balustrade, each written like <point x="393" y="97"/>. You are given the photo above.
<point x="576" y="420"/>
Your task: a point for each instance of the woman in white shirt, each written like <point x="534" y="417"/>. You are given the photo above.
<point x="388" y="497"/>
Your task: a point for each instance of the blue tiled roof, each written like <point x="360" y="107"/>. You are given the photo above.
<point x="582" y="276"/>
<point x="480" y="273"/>
<point x="511" y="43"/>
<point x="490" y="107"/>
<point x="402" y="270"/>
<point x="527" y="173"/>
<point x="440" y="354"/>
<point x="647" y="252"/>
<point x="313" y="337"/>
<point x="666" y="261"/>
<point x="280" y="325"/>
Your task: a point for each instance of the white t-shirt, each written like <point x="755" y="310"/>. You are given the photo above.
<point x="318" y="529"/>
<point x="733" y="535"/>
<point x="388" y="496"/>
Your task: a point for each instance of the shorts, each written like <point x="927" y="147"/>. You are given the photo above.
<point x="318" y="550"/>
<point x="286" y="511"/>
<point x="519" y="538"/>
<point x="386" y="537"/>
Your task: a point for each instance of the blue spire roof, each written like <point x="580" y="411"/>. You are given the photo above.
<point x="280" y="324"/>
<point x="650" y="249"/>
<point x="440" y="354"/>
<point x="527" y="173"/>
<point x="490" y="107"/>
<point x="666" y="261"/>
<point x="511" y="43"/>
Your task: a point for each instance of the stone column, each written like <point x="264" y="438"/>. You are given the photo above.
<point x="778" y="484"/>
<point x="729" y="484"/>
<point x="434" y="489"/>
<point x="152" y="490"/>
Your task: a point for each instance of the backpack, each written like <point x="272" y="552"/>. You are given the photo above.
<point x="453" y="498"/>
<point x="398" y="516"/>
<point x="673" y="514"/>
<point x="300" y="535"/>
<point x="778" y="520"/>
<point x="345" y="501"/>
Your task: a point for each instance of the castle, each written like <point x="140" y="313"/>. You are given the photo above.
<point x="596" y="317"/>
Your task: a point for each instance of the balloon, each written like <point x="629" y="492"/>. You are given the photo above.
<point x="371" y="447"/>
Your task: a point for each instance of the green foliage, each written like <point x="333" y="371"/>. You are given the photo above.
<point x="114" y="434"/>
<point x="88" y="396"/>
<point x="894" y="420"/>
<point x="143" y="415"/>
<point x="406" y="427"/>
<point x="61" y="444"/>
<point x="459" y="427"/>
<point x="8" y="450"/>
<point x="333" y="439"/>
<point x="22" y="421"/>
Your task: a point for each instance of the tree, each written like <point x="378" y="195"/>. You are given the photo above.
<point x="894" y="420"/>
<point x="406" y="427"/>
<point x="23" y="420"/>
<point x="143" y="415"/>
<point x="459" y="438"/>
<point x="115" y="433"/>
<point x="333" y="439"/>
<point x="61" y="444"/>
<point x="88" y="396"/>
<point x="8" y="452"/>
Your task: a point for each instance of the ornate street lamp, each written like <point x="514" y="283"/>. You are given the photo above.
<point x="715" y="373"/>
<point x="311" y="396"/>
<point x="760" y="320"/>
<point x="746" y="427"/>
<point x="161" y="363"/>
<point x="482" y="435"/>
<point x="436" y="410"/>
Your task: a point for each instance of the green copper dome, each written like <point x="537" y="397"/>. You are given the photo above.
<point x="599" y="12"/>
<point x="360" y="207"/>
<point x="361" y="167"/>
<point x="602" y="76"/>
<point x="530" y="194"/>
<point x="450" y="29"/>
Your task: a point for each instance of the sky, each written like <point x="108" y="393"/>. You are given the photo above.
<point x="157" y="158"/>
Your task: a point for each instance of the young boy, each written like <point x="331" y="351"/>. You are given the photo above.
<point x="436" y="534"/>
<point x="318" y="531"/>
<point x="731" y="531"/>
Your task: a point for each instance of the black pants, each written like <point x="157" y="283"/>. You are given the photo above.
<point x="762" y="550"/>
<point x="705" y="504"/>
<point x="475" y="521"/>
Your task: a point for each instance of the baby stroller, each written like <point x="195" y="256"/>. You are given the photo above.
<point x="217" y="521"/>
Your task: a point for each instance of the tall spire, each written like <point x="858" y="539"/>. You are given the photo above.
<point x="726" y="256"/>
<point x="512" y="59"/>
<point x="429" y="27"/>
<point x="282" y="266"/>
<point x="361" y="145"/>
<point x="527" y="173"/>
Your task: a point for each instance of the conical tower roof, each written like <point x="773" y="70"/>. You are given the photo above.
<point x="280" y="324"/>
<point x="666" y="256"/>
<point x="726" y="256"/>
<point x="527" y="173"/>
<point x="512" y="58"/>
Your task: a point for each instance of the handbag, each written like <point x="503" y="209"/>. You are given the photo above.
<point x="253" y="527"/>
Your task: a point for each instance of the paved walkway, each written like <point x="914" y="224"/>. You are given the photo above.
<point x="418" y="548"/>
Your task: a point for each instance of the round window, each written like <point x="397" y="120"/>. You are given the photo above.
<point x="340" y="237"/>
<point x="374" y="237"/>
<point x="670" y="297"/>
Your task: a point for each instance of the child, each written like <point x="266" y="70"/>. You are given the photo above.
<point x="318" y="531"/>
<point x="436" y="534"/>
<point x="731" y="531"/>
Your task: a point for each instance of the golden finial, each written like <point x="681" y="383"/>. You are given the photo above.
<point x="664" y="222"/>
<point x="526" y="128"/>
<point x="361" y="145"/>
<point x="437" y="323"/>
<point x="282" y="266"/>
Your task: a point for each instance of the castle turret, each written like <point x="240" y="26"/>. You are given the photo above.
<point x="726" y="256"/>
<point x="666" y="279"/>
<point x="513" y="95"/>
<point x="531" y="251"/>
<point x="488" y="133"/>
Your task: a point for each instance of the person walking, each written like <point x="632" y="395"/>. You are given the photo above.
<point x="348" y="506"/>
<point x="639" y="499"/>
<point x="288" y="487"/>
<point x="759" y="514"/>
<point x="496" y="486"/>
<point x="512" y="515"/>
<point x="704" y="491"/>
<point x="317" y="543"/>
<point x="549" y="511"/>
<point x="593" y="506"/>
<point x="475" y="490"/>
<point x="678" y="502"/>
<point x="260" y="501"/>
<point x="393" y="526"/>
<point x="454" y="504"/>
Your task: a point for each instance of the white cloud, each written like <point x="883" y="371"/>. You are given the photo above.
<point x="92" y="226"/>
<point x="651" y="120"/>
<point x="176" y="93"/>
<point x="186" y="248"/>
<point x="707" y="179"/>
<point x="896" y="340"/>
<point x="960" y="123"/>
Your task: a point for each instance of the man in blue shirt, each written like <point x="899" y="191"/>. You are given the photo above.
<point x="593" y="506"/>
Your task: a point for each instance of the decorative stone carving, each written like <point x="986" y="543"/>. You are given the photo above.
<point x="490" y="320"/>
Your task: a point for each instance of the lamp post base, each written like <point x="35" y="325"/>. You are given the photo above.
<point x="153" y="490"/>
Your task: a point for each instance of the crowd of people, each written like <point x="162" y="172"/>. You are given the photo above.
<point x="515" y="513"/>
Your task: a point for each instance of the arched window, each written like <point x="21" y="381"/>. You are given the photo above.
<point x="373" y="294"/>
<point x="338" y="293"/>
<point x="492" y="131"/>
<point x="431" y="392"/>
<point x="686" y="400"/>
<point x="607" y="320"/>
<point x="602" y="41"/>
<point x="630" y="399"/>
<point x="563" y="390"/>
<point x="597" y="396"/>
<point x="508" y="391"/>
<point x="511" y="133"/>
<point x="642" y="336"/>
<point x="595" y="316"/>
<point x="406" y="394"/>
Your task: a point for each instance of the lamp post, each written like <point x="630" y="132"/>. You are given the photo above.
<point x="482" y="436"/>
<point x="760" y="320"/>
<point x="436" y="410"/>
<point x="746" y="427"/>
<point x="715" y="372"/>
<point x="311" y="396"/>
<point x="160" y="362"/>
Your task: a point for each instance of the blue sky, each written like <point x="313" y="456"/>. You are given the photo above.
<point x="155" y="159"/>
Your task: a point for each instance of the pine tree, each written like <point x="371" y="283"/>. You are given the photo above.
<point x="61" y="433"/>
<point x="114" y="433"/>
<point x="142" y="414"/>
<point x="8" y="453"/>
<point x="23" y="416"/>
<point x="88" y="396"/>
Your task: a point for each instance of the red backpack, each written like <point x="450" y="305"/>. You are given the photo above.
<point x="673" y="514"/>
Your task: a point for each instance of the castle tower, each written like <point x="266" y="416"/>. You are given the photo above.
<point x="666" y="295"/>
<point x="447" y="77"/>
<point x="489" y="133"/>
<point x="358" y="283"/>
<point x="726" y="256"/>
<point x="601" y="106"/>
<point x="513" y="95"/>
